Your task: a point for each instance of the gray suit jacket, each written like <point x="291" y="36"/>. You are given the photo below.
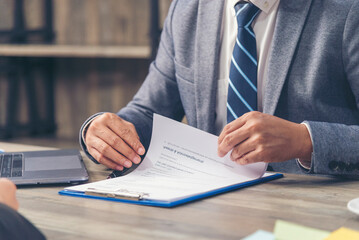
<point x="313" y="76"/>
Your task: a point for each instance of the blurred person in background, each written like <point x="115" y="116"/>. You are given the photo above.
<point x="13" y="226"/>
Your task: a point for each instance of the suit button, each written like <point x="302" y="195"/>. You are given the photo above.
<point x="333" y="165"/>
<point x="349" y="167"/>
<point x="341" y="166"/>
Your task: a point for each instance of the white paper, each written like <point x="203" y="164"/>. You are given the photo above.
<point x="181" y="161"/>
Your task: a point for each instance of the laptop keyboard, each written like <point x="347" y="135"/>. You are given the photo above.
<point x="11" y="165"/>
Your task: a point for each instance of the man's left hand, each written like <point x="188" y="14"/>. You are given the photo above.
<point x="258" y="137"/>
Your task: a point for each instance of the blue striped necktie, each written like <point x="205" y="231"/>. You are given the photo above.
<point x="242" y="88"/>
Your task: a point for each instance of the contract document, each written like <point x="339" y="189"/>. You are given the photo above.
<point x="181" y="165"/>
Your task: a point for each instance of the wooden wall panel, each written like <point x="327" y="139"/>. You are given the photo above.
<point x="87" y="86"/>
<point x="6" y="18"/>
<point x="102" y="22"/>
<point x="33" y="13"/>
<point x="91" y="22"/>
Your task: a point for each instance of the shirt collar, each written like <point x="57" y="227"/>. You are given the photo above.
<point x="263" y="5"/>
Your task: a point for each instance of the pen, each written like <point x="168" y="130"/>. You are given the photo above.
<point x="114" y="174"/>
<point x="113" y="194"/>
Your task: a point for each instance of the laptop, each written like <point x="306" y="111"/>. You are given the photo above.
<point x="43" y="167"/>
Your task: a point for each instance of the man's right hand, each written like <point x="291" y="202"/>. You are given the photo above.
<point x="114" y="142"/>
<point x="8" y="193"/>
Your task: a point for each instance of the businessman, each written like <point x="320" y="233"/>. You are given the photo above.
<point x="277" y="80"/>
<point x="13" y="226"/>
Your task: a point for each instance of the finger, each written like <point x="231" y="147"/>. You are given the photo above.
<point x="242" y="149"/>
<point x="107" y="151"/>
<point x="230" y="127"/>
<point x="231" y="140"/>
<point x="119" y="145"/>
<point x="104" y="160"/>
<point x="251" y="157"/>
<point x="127" y="132"/>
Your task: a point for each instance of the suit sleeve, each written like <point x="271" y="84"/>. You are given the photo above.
<point x="158" y="94"/>
<point x="335" y="145"/>
<point x="14" y="226"/>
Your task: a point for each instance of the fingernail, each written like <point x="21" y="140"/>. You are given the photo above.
<point x="119" y="168"/>
<point x="128" y="164"/>
<point x="141" y="151"/>
<point x="137" y="159"/>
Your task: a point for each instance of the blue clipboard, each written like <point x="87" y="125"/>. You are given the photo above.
<point x="178" y="202"/>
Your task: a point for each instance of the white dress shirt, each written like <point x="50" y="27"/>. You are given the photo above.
<point x="263" y="27"/>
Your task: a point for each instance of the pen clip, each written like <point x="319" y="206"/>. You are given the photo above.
<point x="114" y="194"/>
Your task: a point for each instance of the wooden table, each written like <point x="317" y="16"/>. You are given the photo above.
<point x="319" y="202"/>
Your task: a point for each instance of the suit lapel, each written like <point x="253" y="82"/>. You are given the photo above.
<point x="291" y="18"/>
<point x="207" y="61"/>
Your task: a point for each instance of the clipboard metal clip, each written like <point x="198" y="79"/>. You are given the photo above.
<point x="115" y="194"/>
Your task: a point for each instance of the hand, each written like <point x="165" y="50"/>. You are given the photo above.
<point x="114" y="142"/>
<point x="8" y="193"/>
<point x="258" y="137"/>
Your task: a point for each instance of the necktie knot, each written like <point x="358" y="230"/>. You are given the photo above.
<point x="245" y="13"/>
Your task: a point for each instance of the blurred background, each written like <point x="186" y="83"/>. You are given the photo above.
<point x="64" y="60"/>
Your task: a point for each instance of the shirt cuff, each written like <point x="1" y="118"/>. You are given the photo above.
<point x="84" y="130"/>
<point x="306" y="165"/>
<point x="82" y="135"/>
